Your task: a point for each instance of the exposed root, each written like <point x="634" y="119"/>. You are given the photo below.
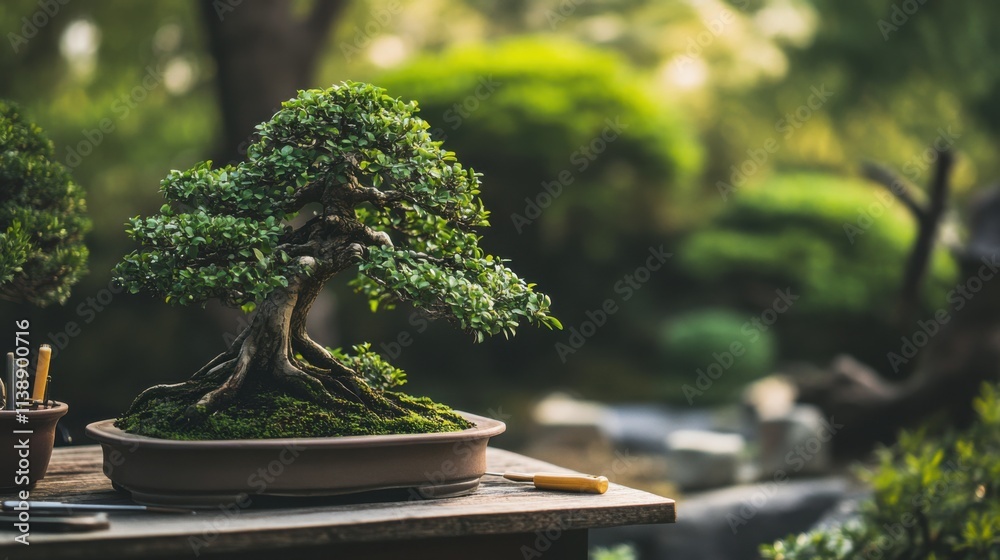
<point x="336" y="385"/>
<point x="201" y="381"/>
<point x="376" y="401"/>
<point x="306" y="385"/>
<point x="275" y="361"/>
<point x="318" y="356"/>
<point x="225" y="392"/>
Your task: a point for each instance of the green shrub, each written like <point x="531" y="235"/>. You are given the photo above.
<point x="42" y="216"/>
<point x="933" y="499"/>
<point x="616" y="552"/>
<point x="695" y="341"/>
<point x="839" y="243"/>
<point x="793" y="230"/>
<point x="525" y="111"/>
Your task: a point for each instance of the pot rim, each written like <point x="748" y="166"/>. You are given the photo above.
<point x="105" y="432"/>
<point x="60" y="409"/>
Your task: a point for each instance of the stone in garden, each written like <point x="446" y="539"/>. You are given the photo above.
<point x="562" y="420"/>
<point x="704" y="459"/>
<point x="798" y="442"/>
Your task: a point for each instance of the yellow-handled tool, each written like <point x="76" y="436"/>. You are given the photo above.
<point x="557" y="481"/>
<point x="42" y="372"/>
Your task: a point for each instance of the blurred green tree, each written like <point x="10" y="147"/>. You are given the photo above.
<point x="840" y="243"/>
<point x="42" y="216"/>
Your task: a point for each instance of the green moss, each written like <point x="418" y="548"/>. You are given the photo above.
<point x="267" y="414"/>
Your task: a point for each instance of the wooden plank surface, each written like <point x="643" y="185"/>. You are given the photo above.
<point x="498" y="507"/>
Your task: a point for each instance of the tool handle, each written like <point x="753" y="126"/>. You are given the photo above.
<point x="571" y="482"/>
<point x="42" y="372"/>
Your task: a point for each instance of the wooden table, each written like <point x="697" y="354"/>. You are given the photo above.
<point x="500" y="520"/>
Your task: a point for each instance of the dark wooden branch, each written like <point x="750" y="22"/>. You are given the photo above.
<point x="916" y="264"/>
<point x="947" y="373"/>
<point x="928" y="220"/>
<point x="899" y="187"/>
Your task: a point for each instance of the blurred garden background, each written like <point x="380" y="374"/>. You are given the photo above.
<point x="724" y="140"/>
<point x="723" y="153"/>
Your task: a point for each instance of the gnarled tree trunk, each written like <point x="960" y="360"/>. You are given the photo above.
<point x="276" y="351"/>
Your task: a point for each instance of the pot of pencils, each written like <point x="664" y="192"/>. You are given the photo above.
<point x="27" y="423"/>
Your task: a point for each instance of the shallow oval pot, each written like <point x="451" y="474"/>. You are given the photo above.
<point x="42" y="423"/>
<point x="218" y="472"/>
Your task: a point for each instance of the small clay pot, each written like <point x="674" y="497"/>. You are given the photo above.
<point x="42" y="423"/>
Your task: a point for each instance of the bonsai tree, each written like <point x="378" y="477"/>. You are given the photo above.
<point x="42" y="216"/>
<point x="386" y="199"/>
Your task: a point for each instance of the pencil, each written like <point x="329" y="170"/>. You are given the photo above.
<point x="11" y="368"/>
<point x="42" y="372"/>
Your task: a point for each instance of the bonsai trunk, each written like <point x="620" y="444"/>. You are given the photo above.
<point x="275" y="351"/>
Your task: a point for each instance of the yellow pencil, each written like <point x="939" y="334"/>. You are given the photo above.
<point x="42" y="372"/>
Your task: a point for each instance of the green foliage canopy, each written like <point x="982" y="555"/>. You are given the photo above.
<point x="42" y="216"/>
<point x="370" y="161"/>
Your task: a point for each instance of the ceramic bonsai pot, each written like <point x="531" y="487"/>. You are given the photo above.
<point x="42" y="422"/>
<point x="212" y="473"/>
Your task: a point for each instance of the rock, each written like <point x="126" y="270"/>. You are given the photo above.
<point x="642" y="428"/>
<point x="771" y="397"/>
<point x="796" y="442"/>
<point x="703" y="459"/>
<point x="731" y="523"/>
<point x="562" y="420"/>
